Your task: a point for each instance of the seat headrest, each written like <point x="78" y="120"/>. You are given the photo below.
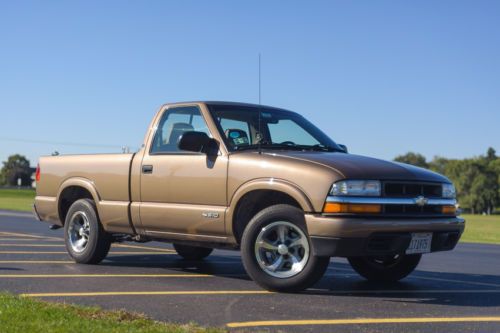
<point x="177" y="130"/>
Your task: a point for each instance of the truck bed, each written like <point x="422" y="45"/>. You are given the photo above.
<point x="105" y="176"/>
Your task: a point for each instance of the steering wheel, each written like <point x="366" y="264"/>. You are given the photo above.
<point x="288" y="143"/>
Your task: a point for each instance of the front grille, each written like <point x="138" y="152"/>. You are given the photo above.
<point x="411" y="190"/>
<point x="412" y="210"/>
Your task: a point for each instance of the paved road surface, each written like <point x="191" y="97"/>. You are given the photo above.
<point x="456" y="291"/>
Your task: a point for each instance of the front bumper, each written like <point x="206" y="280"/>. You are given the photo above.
<point x="357" y="236"/>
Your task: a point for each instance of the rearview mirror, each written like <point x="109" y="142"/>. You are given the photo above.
<point x="195" y="141"/>
<point x="343" y="147"/>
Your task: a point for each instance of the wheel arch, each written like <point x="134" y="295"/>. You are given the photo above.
<point x="72" y="190"/>
<point x="253" y="196"/>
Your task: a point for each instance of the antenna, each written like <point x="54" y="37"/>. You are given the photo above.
<point x="259" y="80"/>
<point x="259" y="110"/>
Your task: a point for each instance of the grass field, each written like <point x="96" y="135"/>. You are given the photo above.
<point x="18" y="314"/>
<point x="479" y="228"/>
<point x="20" y="200"/>
<point x="482" y="229"/>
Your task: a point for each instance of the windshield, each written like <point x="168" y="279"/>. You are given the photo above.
<point x="278" y="129"/>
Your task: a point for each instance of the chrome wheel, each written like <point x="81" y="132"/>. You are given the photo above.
<point x="282" y="249"/>
<point x="79" y="231"/>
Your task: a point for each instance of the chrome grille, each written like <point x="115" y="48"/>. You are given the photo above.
<point x="411" y="190"/>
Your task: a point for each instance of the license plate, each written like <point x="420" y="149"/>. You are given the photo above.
<point x="420" y="243"/>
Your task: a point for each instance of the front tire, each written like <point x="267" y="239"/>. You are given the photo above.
<point x="277" y="253"/>
<point x="385" y="268"/>
<point x="86" y="241"/>
<point x="192" y="252"/>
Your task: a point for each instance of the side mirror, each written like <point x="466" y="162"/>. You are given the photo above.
<point x="195" y="141"/>
<point x="343" y="147"/>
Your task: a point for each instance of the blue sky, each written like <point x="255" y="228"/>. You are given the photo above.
<point x="382" y="77"/>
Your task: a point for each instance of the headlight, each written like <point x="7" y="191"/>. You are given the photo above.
<point x="356" y="188"/>
<point x="449" y="191"/>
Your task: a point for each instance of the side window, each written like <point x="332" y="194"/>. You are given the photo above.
<point x="173" y="123"/>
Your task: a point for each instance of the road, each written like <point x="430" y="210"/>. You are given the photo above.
<point x="457" y="291"/>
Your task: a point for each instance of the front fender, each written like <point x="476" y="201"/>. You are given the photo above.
<point x="273" y="184"/>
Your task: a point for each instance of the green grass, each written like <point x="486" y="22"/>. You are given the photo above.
<point x="482" y="229"/>
<point x="21" y="200"/>
<point x="19" y="314"/>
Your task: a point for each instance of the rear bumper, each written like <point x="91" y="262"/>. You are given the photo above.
<point x="45" y="209"/>
<point x="349" y="237"/>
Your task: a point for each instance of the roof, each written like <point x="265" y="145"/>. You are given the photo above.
<point x="229" y="103"/>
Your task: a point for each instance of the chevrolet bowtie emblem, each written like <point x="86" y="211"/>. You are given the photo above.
<point x="421" y="201"/>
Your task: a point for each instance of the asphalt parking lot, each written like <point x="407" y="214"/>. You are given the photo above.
<point x="456" y="291"/>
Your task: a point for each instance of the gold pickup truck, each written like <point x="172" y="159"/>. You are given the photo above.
<point x="256" y="178"/>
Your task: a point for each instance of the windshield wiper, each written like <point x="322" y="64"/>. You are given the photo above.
<point x="321" y="147"/>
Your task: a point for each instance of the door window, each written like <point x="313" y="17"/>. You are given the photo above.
<point x="173" y="123"/>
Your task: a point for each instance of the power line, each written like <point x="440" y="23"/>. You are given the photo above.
<point x="74" y="144"/>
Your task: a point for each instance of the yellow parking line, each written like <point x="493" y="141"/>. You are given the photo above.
<point x="36" y="262"/>
<point x="31" y="245"/>
<point x="21" y="276"/>
<point x="157" y="249"/>
<point x="64" y="252"/>
<point x="27" y="239"/>
<point x="18" y="234"/>
<point x="362" y="321"/>
<point x="150" y="293"/>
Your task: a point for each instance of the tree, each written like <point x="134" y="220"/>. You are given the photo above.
<point x="491" y="154"/>
<point x="413" y="159"/>
<point x="439" y="164"/>
<point x="16" y="166"/>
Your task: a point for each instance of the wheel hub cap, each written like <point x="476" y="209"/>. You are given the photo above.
<point x="79" y="231"/>
<point x="282" y="249"/>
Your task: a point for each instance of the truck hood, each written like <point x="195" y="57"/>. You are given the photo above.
<point x="351" y="166"/>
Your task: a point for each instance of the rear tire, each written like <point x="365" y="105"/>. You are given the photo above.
<point x="192" y="252"/>
<point x="386" y="268"/>
<point x="85" y="239"/>
<point x="277" y="253"/>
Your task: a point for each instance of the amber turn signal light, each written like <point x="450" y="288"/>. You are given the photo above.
<point x="449" y="210"/>
<point x="333" y="207"/>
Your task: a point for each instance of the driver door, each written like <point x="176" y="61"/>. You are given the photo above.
<point x="183" y="194"/>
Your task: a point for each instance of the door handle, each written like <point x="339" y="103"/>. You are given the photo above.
<point x="147" y="169"/>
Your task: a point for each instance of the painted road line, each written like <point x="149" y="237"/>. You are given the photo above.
<point x="16" y="214"/>
<point x="157" y="249"/>
<point x="358" y="321"/>
<point x="228" y="292"/>
<point x="17" y="234"/>
<point x="114" y="246"/>
<point x="456" y="281"/>
<point x="31" y="245"/>
<point x="36" y="262"/>
<point x="26" y="239"/>
<point x="151" y="293"/>
<point x="110" y="253"/>
<point x="44" y="276"/>
<point x="107" y="261"/>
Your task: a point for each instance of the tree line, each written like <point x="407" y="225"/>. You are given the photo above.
<point x="476" y="179"/>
